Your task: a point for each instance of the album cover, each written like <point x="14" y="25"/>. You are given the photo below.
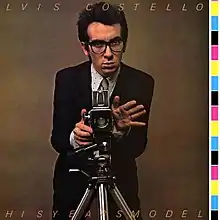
<point x="166" y="39"/>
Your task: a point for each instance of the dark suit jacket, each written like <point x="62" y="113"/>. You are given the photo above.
<point x="72" y="93"/>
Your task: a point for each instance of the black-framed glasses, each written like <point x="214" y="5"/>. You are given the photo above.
<point x="99" y="46"/>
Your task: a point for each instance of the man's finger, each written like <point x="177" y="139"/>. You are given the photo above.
<point x="83" y="111"/>
<point x="135" y="109"/>
<point x="84" y="127"/>
<point x="129" y="105"/>
<point x="116" y="102"/>
<point x="83" y="133"/>
<point x="79" y="132"/>
<point x="137" y="115"/>
<point x="81" y="143"/>
<point x="137" y="124"/>
<point x="80" y="138"/>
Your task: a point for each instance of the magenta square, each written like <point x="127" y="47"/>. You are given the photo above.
<point x="214" y="52"/>
<point x="214" y="113"/>
<point x="214" y="172"/>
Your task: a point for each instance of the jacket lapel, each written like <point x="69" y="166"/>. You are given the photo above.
<point x="85" y="95"/>
<point x="121" y="86"/>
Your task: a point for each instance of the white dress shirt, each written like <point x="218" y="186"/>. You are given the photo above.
<point x="96" y="80"/>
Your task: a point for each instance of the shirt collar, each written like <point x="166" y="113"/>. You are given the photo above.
<point x="96" y="78"/>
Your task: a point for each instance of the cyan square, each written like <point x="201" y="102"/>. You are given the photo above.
<point x="214" y="143"/>
<point x="215" y="83"/>
<point x="214" y="23"/>
<point x="214" y="202"/>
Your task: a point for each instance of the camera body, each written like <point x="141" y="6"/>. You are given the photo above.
<point x="100" y="118"/>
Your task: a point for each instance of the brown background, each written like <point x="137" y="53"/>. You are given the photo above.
<point x="171" y="46"/>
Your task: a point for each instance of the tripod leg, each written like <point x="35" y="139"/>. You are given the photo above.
<point x="121" y="203"/>
<point x="103" y="202"/>
<point x="84" y="204"/>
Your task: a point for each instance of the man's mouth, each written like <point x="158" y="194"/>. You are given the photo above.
<point x="108" y="63"/>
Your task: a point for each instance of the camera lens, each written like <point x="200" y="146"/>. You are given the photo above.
<point x="101" y="122"/>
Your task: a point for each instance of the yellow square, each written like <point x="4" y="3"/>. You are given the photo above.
<point x="214" y="8"/>
<point x="214" y="187"/>
<point x="214" y="67"/>
<point x="214" y="128"/>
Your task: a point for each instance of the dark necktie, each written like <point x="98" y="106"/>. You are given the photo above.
<point x="103" y="86"/>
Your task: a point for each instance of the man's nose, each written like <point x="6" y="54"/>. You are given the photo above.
<point x="108" y="52"/>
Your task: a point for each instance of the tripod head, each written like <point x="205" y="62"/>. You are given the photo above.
<point x="101" y="158"/>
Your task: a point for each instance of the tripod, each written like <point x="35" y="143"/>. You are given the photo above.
<point x="102" y="183"/>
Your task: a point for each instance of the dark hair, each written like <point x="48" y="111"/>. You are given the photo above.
<point x="104" y="13"/>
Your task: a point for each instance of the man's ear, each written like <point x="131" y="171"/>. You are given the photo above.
<point x="84" y="48"/>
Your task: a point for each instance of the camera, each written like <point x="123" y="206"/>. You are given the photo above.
<point x="100" y="118"/>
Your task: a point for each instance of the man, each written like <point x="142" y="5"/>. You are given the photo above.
<point x="103" y="36"/>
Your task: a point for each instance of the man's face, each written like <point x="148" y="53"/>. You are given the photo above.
<point x="105" y="61"/>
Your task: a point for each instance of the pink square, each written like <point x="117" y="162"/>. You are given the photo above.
<point x="214" y="172"/>
<point x="214" y="113"/>
<point x="214" y="52"/>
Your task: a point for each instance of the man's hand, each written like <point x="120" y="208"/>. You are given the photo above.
<point x="125" y="115"/>
<point x="82" y="132"/>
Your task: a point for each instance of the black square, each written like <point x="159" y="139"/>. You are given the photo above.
<point x="214" y="37"/>
<point x="214" y="157"/>
<point x="214" y="215"/>
<point x="214" y="98"/>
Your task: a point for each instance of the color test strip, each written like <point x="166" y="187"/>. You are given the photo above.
<point x="214" y="109"/>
